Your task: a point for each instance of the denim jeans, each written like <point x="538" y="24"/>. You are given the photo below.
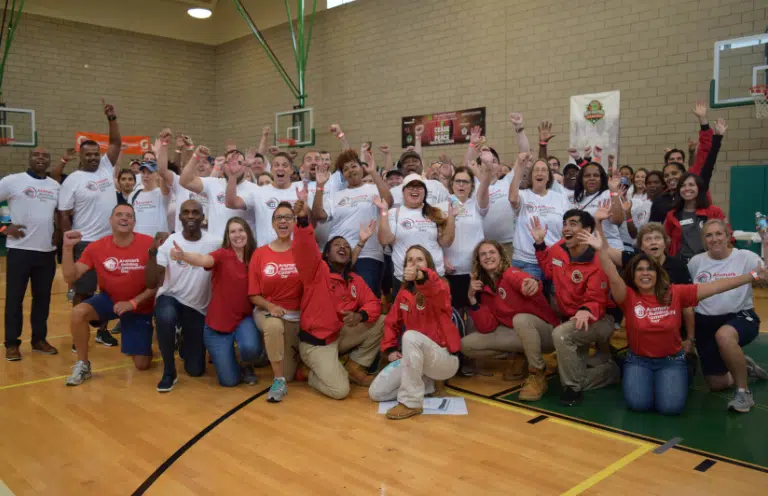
<point x="221" y="346"/>
<point x="531" y="268"/>
<point x="659" y="384"/>
<point x="170" y="313"/>
<point x="372" y="271"/>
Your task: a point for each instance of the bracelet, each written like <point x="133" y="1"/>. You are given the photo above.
<point x="191" y="147"/>
<point x="340" y="135"/>
<point x="753" y="274"/>
<point x="63" y="161"/>
<point x="111" y="118"/>
<point x="319" y="188"/>
<point x="543" y="143"/>
<point x="360" y="246"/>
<point x="383" y="213"/>
<point x="132" y="302"/>
<point x="629" y="220"/>
<point x="3" y="228"/>
<point x="614" y="194"/>
<point x="472" y="145"/>
<point x="518" y="131"/>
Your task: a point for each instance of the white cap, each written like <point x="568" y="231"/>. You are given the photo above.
<point x="414" y="177"/>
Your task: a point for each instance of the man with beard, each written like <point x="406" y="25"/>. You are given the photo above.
<point x="32" y="198"/>
<point x="85" y="204"/>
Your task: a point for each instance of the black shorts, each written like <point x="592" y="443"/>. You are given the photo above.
<point x="88" y="283"/>
<point x="747" y="325"/>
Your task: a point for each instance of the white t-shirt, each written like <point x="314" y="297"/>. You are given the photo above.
<point x="32" y="203"/>
<point x="190" y="285"/>
<point x="215" y="189"/>
<point x="411" y="228"/>
<point x="322" y="229"/>
<point x="263" y="201"/>
<point x="347" y="210"/>
<point x="704" y="269"/>
<point x="641" y="210"/>
<point x="436" y="193"/>
<point x="590" y="204"/>
<point x="183" y="194"/>
<point x="549" y="209"/>
<point x="499" y="224"/>
<point x="469" y="232"/>
<point x="151" y="208"/>
<point x="91" y="197"/>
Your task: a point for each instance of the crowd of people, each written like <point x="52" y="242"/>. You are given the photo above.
<point x="394" y="278"/>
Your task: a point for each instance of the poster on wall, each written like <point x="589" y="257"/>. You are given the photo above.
<point x="445" y="128"/>
<point x="595" y="122"/>
<point x="132" y="145"/>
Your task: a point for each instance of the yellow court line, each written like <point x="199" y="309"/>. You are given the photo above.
<point x="49" y="379"/>
<point x="608" y="471"/>
<point x="515" y="409"/>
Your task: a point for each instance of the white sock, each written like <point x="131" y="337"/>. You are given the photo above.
<point x="280" y="379"/>
<point x="742" y="390"/>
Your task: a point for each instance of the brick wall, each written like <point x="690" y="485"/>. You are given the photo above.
<point x="373" y="62"/>
<point x="152" y="81"/>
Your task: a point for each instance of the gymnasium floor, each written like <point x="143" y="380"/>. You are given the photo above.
<point x="116" y="435"/>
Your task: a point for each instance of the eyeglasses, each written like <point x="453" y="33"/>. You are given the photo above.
<point x="283" y="218"/>
<point x="462" y="181"/>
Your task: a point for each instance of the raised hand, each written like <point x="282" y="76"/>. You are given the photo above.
<point x="370" y="163"/>
<point x="700" y="110"/>
<point x="230" y="145"/>
<point x="335" y="130"/>
<point x="517" y="120"/>
<point x="524" y="159"/>
<point x="250" y="156"/>
<point x="419" y="130"/>
<point x="614" y="182"/>
<point x="604" y="205"/>
<point x="303" y="193"/>
<point x="293" y="154"/>
<point x="588" y="151"/>
<point x="365" y="147"/>
<point x="380" y="204"/>
<point x="273" y="150"/>
<point x="410" y="148"/>
<point x="235" y="164"/>
<point x="384" y="149"/>
<point x="109" y="110"/>
<point x="15" y="231"/>
<point x="202" y="153"/>
<point x="71" y="238"/>
<point x="545" y="132"/>
<point x="590" y="239"/>
<point x="300" y="207"/>
<point x="265" y="131"/>
<point x="366" y="231"/>
<point x="598" y="155"/>
<point x="475" y="286"/>
<point x="69" y="155"/>
<point x="530" y="287"/>
<point x="177" y="252"/>
<point x="720" y="127"/>
<point x="538" y="231"/>
<point x="322" y="174"/>
<point x="611" y="160"/>
<point x="179" y="141"/>
<point x="475" y="137"/>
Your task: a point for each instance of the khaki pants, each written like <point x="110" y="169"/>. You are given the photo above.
<point x="281" y="339"/>
<point x="363" y="340"/>
<point x="501" y="340"/>
<point x="570" y="344"/>
<point x="413" y="376"/>
<point x="536" y="336"/>
<point x="326" y="373"/>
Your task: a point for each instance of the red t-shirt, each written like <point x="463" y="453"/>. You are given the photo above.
<point x="229" y="291"/>
<point x="120" y="269"/>
<point x="273" y="275"/>
<point x="653" y="330"/>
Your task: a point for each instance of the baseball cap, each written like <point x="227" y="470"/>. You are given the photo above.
<point x="413" y="178"/>
<point x="151" y="165"/>
<point x="406" y="155"/>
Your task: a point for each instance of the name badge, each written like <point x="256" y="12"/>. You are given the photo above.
<point x="557" y="262"/>
<point x="403" y="307"/>
<point x="686" y="222"/>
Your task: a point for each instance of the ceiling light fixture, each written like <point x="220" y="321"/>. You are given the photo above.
<point x="199" y="13"/>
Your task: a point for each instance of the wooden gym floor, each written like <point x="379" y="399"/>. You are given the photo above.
<point x="117" y="435"/>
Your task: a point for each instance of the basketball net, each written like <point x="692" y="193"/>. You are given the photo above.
<point x="286" y="142"/>
<point x="760" y="95"/>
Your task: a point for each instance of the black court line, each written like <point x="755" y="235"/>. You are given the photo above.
<point x="538" y="419"/>
<point x="613" y="430"/>
<point x="704" y="466"/>
<point x="170" y="461"/>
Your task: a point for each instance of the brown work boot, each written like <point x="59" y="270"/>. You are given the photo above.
<point x="440" y="390"/>
<point x="358" y="374"/>
<point x="516" y="368"/>
<point x="12" y="354"/>
<point x="45" y="348"/>
<point x="535" y="385"/>
<point x="401" y="412"/>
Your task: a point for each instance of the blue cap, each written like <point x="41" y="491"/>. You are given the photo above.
<point x="150" y="164"/>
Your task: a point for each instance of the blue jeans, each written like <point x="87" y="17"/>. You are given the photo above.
<point x="371" y="270"/>
<point x="531" y="268"/>
<point x="659" y="384"/>
<point x="221" y="346"/>
<point x="170" y="313"/>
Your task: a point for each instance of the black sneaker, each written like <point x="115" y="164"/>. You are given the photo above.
<point x="105" y="338"/>
<point x="571" y="397"/>
<point x="166" y="383"/>
<point x="116" y="329"/>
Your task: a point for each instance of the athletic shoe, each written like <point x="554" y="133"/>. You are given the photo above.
<point x="742" y="402"/>
<point x="105" y="338"/>
<point x="535" y="385"/>
<point x="278" y="391"/>
<point x="12" y="353"/>
<point x="400" y="412"/>
<point x="81" y="372"/>
<point x="116" y="329"/>
<point x="45" y="348"/>
<point x="571" y="397"/>
<point x="248" y="376"/>
<point x="167" y="382"/>
<point x="754" y="370"/>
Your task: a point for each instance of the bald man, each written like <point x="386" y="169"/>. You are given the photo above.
<point x="32" y="197"/>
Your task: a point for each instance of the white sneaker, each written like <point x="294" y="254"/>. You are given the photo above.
<point x="81" y="372"/>
<point x="742" y="402"/>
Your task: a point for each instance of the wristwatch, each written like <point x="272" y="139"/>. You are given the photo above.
<point x="111" y="117"/>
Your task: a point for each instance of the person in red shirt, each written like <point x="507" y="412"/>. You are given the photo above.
<point x="581" y="291"/>
<point x="420" y="319"/>
<point x="655" y="372"/>
<point x="119" y="261"/>
<point x="229" y="318"/>
<point x="511" y="315"/>
<point x="339" y="312"/>
<point x="275" y="289"/>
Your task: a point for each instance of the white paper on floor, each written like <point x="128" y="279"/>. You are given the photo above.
<point x="450" y="405"/>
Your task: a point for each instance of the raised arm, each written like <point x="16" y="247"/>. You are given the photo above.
<point x="486" y="176"/>
<point x="366" y="232"/>
<point x="545" y="134"/>
<point x="115" y="140"/>
<point x="379" y="181"/>
<point x="709" y="163"/>
<point x="598" y="242"/>
<point x="386" y="236"/>
<point x="162" y="158"/>
<point x="387" y="152"/>
<point x="304" y="243"/>
<point x="189" y="178"/>
<point x="57" y="172"/>
<point x="264" y="142"/>
<point x="318" y="209"/>
<point x="520" y="171"/>
<point x="602" y="214"/>
<point x="523" y="144"/>
<point x="705" y="137"/>
<point x="231" y="200"/>
<point x="722" y="285"/>
<point x="418" y="131"/>
<point x="336" y="131"/>
<point x="475" y="139"/>
<point x="617" y="212"/>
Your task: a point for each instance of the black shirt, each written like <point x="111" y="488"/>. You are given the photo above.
<point x="676" y="269"/>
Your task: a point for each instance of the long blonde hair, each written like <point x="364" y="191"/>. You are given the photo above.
<point x="410" y="285"/>
<point x="483" y="274"/>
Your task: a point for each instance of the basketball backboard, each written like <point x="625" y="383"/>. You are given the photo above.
<point x="739" y="64"/>
<point x="295" y="128"/>
<point x="17" y="127"/>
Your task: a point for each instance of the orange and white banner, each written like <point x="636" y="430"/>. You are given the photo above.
<point x="132" y="145"/>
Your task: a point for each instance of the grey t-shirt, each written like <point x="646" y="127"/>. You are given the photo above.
<point x="692" y="244"/>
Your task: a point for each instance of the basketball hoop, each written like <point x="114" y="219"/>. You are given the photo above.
<point x="760" y="95"/>
<point x="6" y="141"/>
<point x="286" y="142"/>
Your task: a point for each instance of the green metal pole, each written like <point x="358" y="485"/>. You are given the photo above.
<point x="13" y="24"/>
<point x="296" y="47"/>
<point x="300" y="57"/>
<point x="309" y="38"/>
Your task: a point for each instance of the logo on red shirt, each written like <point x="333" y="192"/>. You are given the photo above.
<point x="270" y="269"/>
<point x="577" y="276"/>
<point x="640" y="311"/>
<point x="353" y="291"/>
<point x="111" y="264"/>
<point x="503" y="293"/>
<point x="421" y="306"/>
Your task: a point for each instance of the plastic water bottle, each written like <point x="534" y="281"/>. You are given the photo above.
<point x="5" y="213"/>
<point x="761" y="225"/>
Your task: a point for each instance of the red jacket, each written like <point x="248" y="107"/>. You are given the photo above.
<point x="500" y="307"/>
<point x="675" y="230"/>
<point x="579" y="283"/>
<point x="326" y="294"/>
<point x="433" y="319"/>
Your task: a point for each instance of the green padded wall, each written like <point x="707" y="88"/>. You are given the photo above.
<point x="749" y="184"/>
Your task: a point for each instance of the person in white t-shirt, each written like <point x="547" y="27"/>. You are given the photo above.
<point x="184" y="294"/>
<point x="311" y="163"/>
<point x="86" y="200"/>
<point x="150" y="202"/>
<point x="410" y="163"/>
<point x="214" y="188"/>
<point x="594" y="190"/>
<point x="262" y="201"/>
<point x="347" y="210"/>
<point x="32" y="199"/>
<point x="416" y="222"/>
<point x="538" y="201"/>
<point x="727" y="322"/>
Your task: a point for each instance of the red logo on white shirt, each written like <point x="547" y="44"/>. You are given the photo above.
<point x="270" y="269"/>
<point x="92" y="186"/>
<point x="111" y="264"/>
<point x="703" y="278"/>
<point x="272" y="203"/>
<point x="30" y="193"/>
<point x="406" y="224"/>
<point x="220" y="198"/>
